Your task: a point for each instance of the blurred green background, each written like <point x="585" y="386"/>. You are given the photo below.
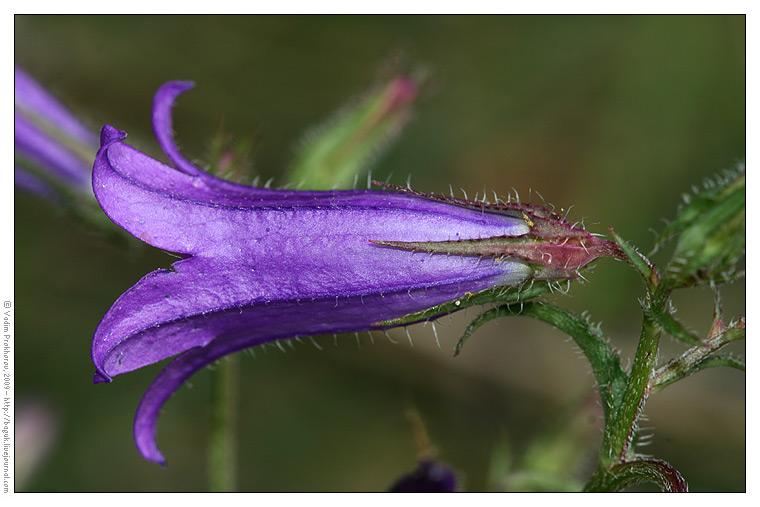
<point x="616" y="116"/>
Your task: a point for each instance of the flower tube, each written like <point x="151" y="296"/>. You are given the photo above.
<point x="264" y="265"/>
<point x="261" y="265"/>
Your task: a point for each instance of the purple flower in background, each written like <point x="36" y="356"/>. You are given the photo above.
<point x="53" y="150"/>
<point x="429" y="477"/>
<point x="263" y="265"/>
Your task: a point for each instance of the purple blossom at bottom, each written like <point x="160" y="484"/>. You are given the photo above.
<point x="261" y="265"/>
<point x="429" y="477"/>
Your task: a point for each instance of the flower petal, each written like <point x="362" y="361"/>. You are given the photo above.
<point x="266" y="264"/>
<point x="194" y="215"/>
<point x="163" y="102"/>
<point x="275" y="320"/>
<point x="204" y="299"/>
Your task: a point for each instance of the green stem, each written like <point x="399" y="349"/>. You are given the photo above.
<point x="627" y="474"/>
<point x="620" y="433"/>
<point x="223" y="444"/>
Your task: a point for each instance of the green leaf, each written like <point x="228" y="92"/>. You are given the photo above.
<point x="711" y="233"/>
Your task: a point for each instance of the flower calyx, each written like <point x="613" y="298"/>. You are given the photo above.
<point x="554" y="248"/>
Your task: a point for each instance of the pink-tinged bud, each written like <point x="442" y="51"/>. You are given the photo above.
<point x="335" y="153"/>
<point x="554" y="248"/>
<point x="400" y="92"/>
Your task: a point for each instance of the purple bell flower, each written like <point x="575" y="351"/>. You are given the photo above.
<point x="262" y="265"/>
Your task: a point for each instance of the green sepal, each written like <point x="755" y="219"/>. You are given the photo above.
<point x="640" y="263"/>
<point x="496" y="294"/>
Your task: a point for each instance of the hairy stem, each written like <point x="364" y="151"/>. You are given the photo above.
<point x="620" y="433"/>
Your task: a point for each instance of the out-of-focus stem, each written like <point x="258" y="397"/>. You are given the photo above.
<point x="223" y="444"/>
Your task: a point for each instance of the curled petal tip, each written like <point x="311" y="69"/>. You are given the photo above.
<point x="163" y="102"/>
<point x="100" y="378"/>
<point x="110" y="135"/>
<point x="153" y="455"/>
<point x="145" y="439"/>
<point x="176" y="86"/>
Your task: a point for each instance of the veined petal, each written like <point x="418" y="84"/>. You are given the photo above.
<point x="203" y="299"/>
<point x="163" y="102"/>
<point x="260" y="323"/>
<point x="198" y="215"/>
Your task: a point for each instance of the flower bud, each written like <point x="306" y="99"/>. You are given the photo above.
<point x="711" y="231"/>
<point x="332" y="155"/>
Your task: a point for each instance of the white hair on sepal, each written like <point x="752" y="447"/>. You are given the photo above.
<point x="314" y="342"/>
<point x="388" y="337"/>
<point x="409" y="336"/>
<point x="435" y="334"/>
